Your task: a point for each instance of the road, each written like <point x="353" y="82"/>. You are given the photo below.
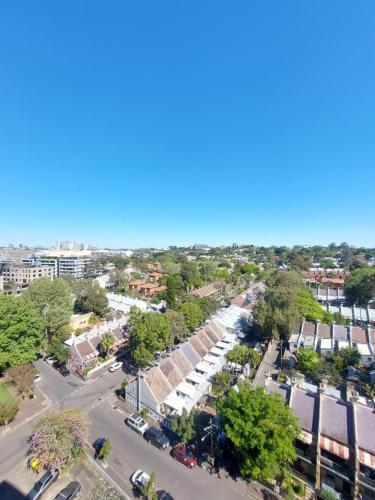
<point x="268" y="364"/>
<point x="131" y="452"/>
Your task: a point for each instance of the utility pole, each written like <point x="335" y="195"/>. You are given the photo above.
<point x="210" y="432"/>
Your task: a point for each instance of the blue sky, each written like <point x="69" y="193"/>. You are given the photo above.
<point x="174" y="122"/>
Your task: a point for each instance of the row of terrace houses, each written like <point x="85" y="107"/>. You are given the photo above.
<point x="326" y="339"/>
<point x="183" y="377"/>
<point x="214" y="290"/>
<point x="336" y="447"/>
<point x="123" y="304"/>
<point x="84" y="349"/>
<point x="354" y="314"/>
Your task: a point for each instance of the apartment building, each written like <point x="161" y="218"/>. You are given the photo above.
<point x="24" y="275"/>
<point x="66" y="266"/>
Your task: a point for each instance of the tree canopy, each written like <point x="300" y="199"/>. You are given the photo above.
<point x="90" y="297"/>
<point x="53" y="302"/>
<point x="262" y="431"/>
<point x="21" y="332"/>
<point x="192" y="314"/>
<point x="184" y="426"/>
<point x="360" y="286"/>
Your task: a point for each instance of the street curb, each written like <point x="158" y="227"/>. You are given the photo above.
<point x="108" y="478"/>
<point x="9" y="430"/>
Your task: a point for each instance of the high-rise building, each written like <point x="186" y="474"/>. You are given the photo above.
<point x="67" y="266"/>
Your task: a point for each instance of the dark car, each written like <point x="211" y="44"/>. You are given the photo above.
<point x="156" y="437"/>
<point x="64" y="370"/>
<point x="184" y="455"/>
<point x="163" y="495"/>
<point x="69" y="492"/>
<point x="42" y="485"/>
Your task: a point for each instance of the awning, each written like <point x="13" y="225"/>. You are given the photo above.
<point x="306" y="437"/>
<point x="366" y="458"/>
<point x="174" y="402"/>
<point x="334" y="447"/>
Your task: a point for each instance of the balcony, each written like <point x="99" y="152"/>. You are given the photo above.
<point x="341" y="470"/>
<point x="368" y="481"/>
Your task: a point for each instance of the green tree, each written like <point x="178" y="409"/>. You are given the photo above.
<point x="57" y="350"/>
<point x="221" y="383"/>
<point x="53" y="302"/>
<point x="190" y="275"/>
<point x="208" y="306"/>
<point x="208" y="271"/>
<point x="239" y="354"/>
<point x="184" y="426"/>
<point x="174" y="290"/>
<point x="179" y="330"/>
<point x="105" y="450"/>
<point x="135" y="314"/>
<point x="360" y="286"/>
<point x="58" y="439"/>
<point x="149" y="489"/>
<point x="346" y="357"/>
<point x="338" y="318"/>
<point x="8" y="410"/>
<point x="170" y="267"/>
<point x="21" y="332"/>
<point x="308" y="307"/>
<point x="150" y="333"/>
<point x="307" y="359"/>
<point x="262" y="431"/>
<point x="90" y="297"/>
<point x="107" y="342"/>
<point x="192" y="313"/>
<point x="22" y="378"/>
<point x="250" y="268"/>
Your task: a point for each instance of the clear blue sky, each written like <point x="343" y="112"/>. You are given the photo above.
<point x="136" y="123"/>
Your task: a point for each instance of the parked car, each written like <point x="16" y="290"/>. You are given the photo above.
<point x="37" y="378"/>
<point x="42" y="485"/>
<point x="137" y="423"/>
<point x="115" y="366"/>
<point x="50" y="360"/>
<point x="98" y="444"/>
<point x="164" y="495"/>
<point x="64" y="370"/>
<point x="139" y="479"/>
<point x="69" y="492"/>
<point x="156" y="437"/>
<point x="184" y="455"/>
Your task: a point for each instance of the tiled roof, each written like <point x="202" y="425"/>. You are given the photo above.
<point x="181" y="361"/>
<point x="309" y="328"/>
<point x="198" y="346"/>
<point x="86" y="350"/>
<point x="95" y="342"/>
<point x="218" y="328"/>
<point x="359" y="335"/>
<point x="336" y="420"/>
<point x="366" y="428"/>
<point x="158" y="384"/>
<point x="324" y="331"/>
<point x="305" y="407"/>
<point x="205" y="339"/>
<point x="190" y="353"/>
<point x="210" y="289"/>
<point x="340" y="332"/>
<point x="118" y="333"/>
<point x="212" y="334"/>
<point x="282" y="390"/>
<point x="372" y="336"/>
<point x="171" y="373"/>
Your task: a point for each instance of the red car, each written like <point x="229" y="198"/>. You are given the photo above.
<point x="185" y="456"/>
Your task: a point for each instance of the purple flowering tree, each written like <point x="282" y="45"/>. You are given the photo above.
<point x="58" y="439"/>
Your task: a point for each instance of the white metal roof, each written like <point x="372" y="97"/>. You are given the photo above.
<point x="294" y="338"/>
<point x="174" y="402"/>
<point x="223" y="345"/>
<point x="186" y="388"/>
<point x="325" y="343"/>
<point x="212" y="359"/>
<point x="217" y="351"/>
<point x="195" y="377"/>
<point x="202" y="366"/>
<point x="363" y="349"/>
<point x="342" y="344"/>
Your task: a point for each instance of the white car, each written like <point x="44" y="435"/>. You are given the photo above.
<point x="50" y="360"/>
<point x="137" y="423"/>
<point x="140" y="479"/>
<point x="115" y="366"/>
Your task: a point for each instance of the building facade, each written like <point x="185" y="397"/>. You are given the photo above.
<point x="24" y="275"/>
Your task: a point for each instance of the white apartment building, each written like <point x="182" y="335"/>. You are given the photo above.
<point x="67" y="266"/>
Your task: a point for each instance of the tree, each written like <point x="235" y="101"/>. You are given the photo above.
<point x="58" y="351"/>
<point x="58" y="439"/>
<point x="338" y="318"/>
<point x="250" y="268"/>
<point x="307" y="358"/>
<point x="192" y="313"/>
<point x="149" y="489"/>
<point x="174" y="285"/>
<point x="184" y="426"/>
<point x="53" y="302"/>
<point x="90" y="297"/>
<point x="21" y="332"/>
<point x="190" y="275"/>
<point x="349" y="356"/>
<point x="179" y="330"/>
<point x="309" y="307"/>
<point x="105" y="450"/>
<point x="261" y="430"/>
<point x="370" y="391"/>
<point x="209" y="271"/>
<point x="150" y="333"/>
<point x="221" y="383"/>
<point x="208" y="306"/>
<point x="123" y="386"/>
<point x="170" y="267"/>
<point x="107" y="342"/>
<point x="239" y="354"/>
<point x="22" y="378"/>
<point x="360" y="286"/>
<point x="135" y="314"/>
<point x="8" y="410"/>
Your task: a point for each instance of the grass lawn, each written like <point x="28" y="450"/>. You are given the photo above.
<point x="5" y="394"/>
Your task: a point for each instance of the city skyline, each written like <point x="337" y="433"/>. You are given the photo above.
<point x="160" y="126"/>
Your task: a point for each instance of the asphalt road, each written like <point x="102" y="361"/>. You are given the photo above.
<point x="131" y="452"/>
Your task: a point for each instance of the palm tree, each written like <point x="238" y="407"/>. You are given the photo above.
<point x="107" y="343"/>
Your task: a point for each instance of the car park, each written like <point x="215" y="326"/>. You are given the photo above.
<point x="69" y="492"/>
<point x="182" y="454"/>
<point x="137" y="423"/>
<point x="156" y="437"/>
<point x="42" y="485"/>
<point x="64" y="370"/>
<point x="139" y="479"/>
<point x="115" y="366"/>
